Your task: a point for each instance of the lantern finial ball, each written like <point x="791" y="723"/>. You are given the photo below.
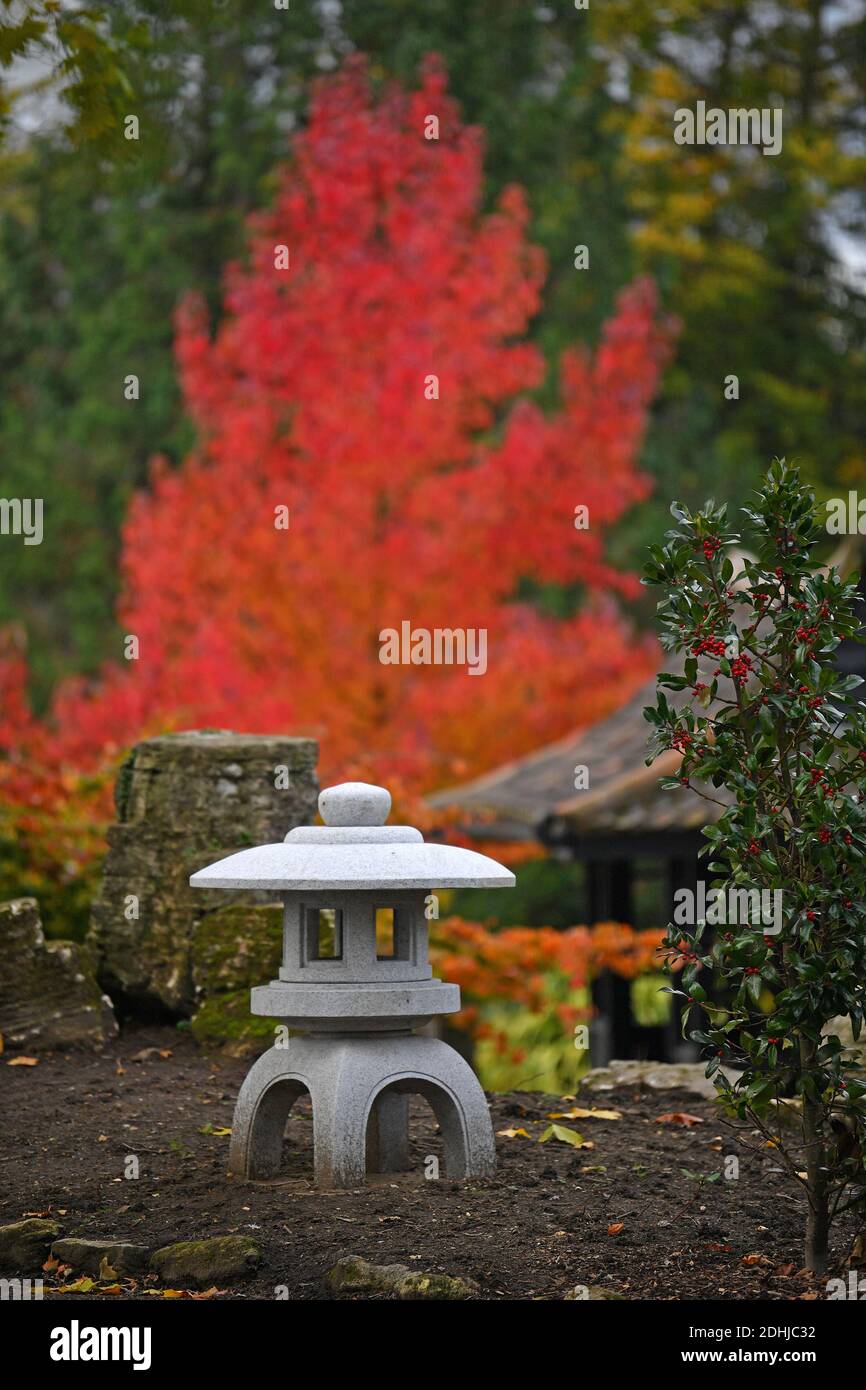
<point x="355" y="803"/>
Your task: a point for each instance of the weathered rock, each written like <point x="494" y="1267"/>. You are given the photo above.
<point x="205" y="1263"/>
<point x="234" y="947"/>
<point x="650" y="1076"/>
<point x="354" y="1275"/>
<point x="49" y="996"/>
<point x="183" y="800"/>
<point x="225" y="1020"/>
<point x="88" y="1255"/>
<point x="24" y="1245"/>
<point x="235" y="944"/>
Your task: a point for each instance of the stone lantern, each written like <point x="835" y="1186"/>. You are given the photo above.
<point x="352" y="1005"/>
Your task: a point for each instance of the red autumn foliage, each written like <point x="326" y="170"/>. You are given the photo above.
<point x="311" y="396"/>
<point x="516" y="963"/>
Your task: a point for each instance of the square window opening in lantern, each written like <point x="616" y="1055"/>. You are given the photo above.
<point x="324" y="933"/>
<point x="393" y="934"/>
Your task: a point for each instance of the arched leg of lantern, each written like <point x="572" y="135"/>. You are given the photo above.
<point x="428" y="1067"/>
<point x="388" y="1133"/>
<point x="360" y="1092"/>
<point x="339" y="1126"/>
<point x="265" y="1099"/>
<point x="454" y="1093"/>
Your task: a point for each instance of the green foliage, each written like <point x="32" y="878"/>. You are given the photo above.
<point x="548" y="893"/>
<point x="78" y="62"/>
<point x="529" y="1051"/>
<point x="650" y="1002"/>
<point x="771" y="723"/>
<point x="749" y="248"/>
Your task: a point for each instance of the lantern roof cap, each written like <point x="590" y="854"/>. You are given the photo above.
<point x="354" y="849"/>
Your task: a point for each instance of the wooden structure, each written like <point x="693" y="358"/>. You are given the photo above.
<point x="626" y="831"/>
<point x="629" y="835"/>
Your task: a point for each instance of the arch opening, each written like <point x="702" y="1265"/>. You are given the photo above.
<point x="282" y="1131"/>
<point x="415" y="1125"/>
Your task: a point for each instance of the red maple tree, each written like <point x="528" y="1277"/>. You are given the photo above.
<point x="370" y="375"/>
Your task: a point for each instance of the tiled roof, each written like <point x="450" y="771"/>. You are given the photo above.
<point x="623" y="795"/>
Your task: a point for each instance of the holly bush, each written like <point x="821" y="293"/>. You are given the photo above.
<point x="769" y="734"/>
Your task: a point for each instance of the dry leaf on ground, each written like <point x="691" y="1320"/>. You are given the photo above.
<point x="577" y="1113"/>
<point x="566" y="1136"/>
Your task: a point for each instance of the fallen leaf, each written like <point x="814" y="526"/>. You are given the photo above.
<point x="577" y="1113"/>
<point x="615" y="1229"/>
<point x="220" y="1131"/>
<point x="165" y="1052"/>
<point x="23" y="1062"/>
<point x="111" y="1288"/>
<point x="513" y="1133"/>
<point x="80" y="1286"/>
<point x="51" y="1264"/>
<point x="757" y="1260"/>
<point x="679" y="1117"/>
<point x="566" y="1136"/>
<point x="785" y="1271"/>
<point x="105" y="1270"/>
<point x="175" y="1293"/>
<point x="103" y="1139"/>
<point x="208" y="1293"/>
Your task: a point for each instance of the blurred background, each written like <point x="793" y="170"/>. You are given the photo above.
<point x="615" y="321"/>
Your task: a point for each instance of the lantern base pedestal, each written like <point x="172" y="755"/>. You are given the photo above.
<point x="360" y="1087"/>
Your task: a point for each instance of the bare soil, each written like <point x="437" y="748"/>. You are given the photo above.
<point x="623" y="1215"/>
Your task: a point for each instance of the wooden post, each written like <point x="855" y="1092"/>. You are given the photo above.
<point x="611" y="1032"/>
<point x="682" y="873"/>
